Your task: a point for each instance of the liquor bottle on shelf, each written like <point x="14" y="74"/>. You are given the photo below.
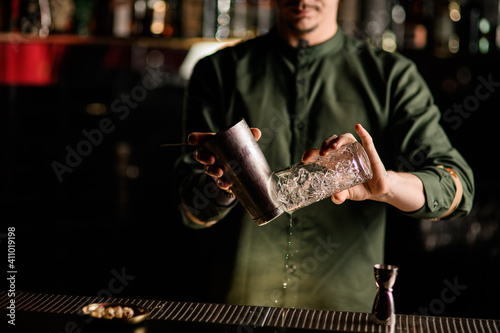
<point x="397" y="26"/>
<point x="376" y="21"/>
<point x="418" y="24"/>
<point x="122" y="18"/>
<point x="5" y="16"/>
<point x="141" y="20"/>
<point x="192" y="18"/>
<point x="349" y="17"/>
<point x="265" y="16"/>
<point x="101" y="20"/>
<point x="209" y="26"/>
<point x="445" y="37"/>
<point x="487" y="23"/>
<point x="224" y="13"/>
<point x="173" y="19"/>
<point x="29" y="19"/>
<point x="70" y="16"/>
<point x="164" y="20"/>
<point x="239" y="20"/>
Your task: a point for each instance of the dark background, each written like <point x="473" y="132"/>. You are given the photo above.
<point x="116" y="211"/>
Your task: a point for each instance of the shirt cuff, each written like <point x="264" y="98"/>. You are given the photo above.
<point x="197" y="198"/>
<point x="439" y="188"/>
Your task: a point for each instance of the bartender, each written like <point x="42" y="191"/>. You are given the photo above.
<point x="297" y="86"/>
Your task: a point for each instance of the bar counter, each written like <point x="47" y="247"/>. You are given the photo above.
<point x="38" y="312"/>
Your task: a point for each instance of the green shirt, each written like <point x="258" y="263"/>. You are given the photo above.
<point x="323" y="258"/>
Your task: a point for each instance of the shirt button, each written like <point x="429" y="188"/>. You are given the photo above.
<point x="301" y="80"/>
<point x="435" y="204"/>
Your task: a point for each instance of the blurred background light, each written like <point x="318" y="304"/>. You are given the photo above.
<point x="96" y="109"/>
<point x="454" y="8"/>
<point x="420" y="36"/>
<point x="158" y="22"/>
<point x="484" y="45"/>
<point x="484" y="26"/>
<point x="389" y="41"/>
<point x="398" y="14"/>
<point x="454" y="43"/>
<point x="155" y="59"/>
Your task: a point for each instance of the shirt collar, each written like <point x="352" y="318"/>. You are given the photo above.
<point x="331" y="46"/>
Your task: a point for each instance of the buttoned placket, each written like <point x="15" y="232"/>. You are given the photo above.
<point x="300" y="62"/>
<point x="293" y="269"/>
<point x="300" y="124"/>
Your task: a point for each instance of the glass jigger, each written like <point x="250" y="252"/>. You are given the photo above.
<point x="383" y="311"/>
<point x="305" y="183"/>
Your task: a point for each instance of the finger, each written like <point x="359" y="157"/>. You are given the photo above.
<point x="368" y="145"/>
<point x="328" y="144"/>
<point x="196" y="138"/>
<point x="334" y="142"/>
<point x="203" y="156"/>
<point x="223" y="182"/>
<point x="213" y="170"/>
<point x="310" y="155"/>
<point x="256" y="133"/>
<point x="340" y="197"/>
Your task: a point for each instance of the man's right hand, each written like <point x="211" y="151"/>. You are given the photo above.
<point x="209" y="161"/>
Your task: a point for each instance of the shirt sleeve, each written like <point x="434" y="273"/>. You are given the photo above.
<point x="202" y="113"/>
<point x="196" y="195"/>
<point x="424" y="148"/>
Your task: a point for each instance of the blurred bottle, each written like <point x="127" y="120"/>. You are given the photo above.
<point x="377" y="21"/>
<point x="417" y="24"/>
<point x="165" y="19"/>
<point x="397" y="26"/>
<point x="111" y="18"/>
<point x="101" y="20"/>
<point x="265" y="16"/>
<point x="484" y="23"/>
<point x="14" y="15"/>
<point x="29" y="19"/>
<point x="141" y="18"/>
<point x="209" y="26"/>
<point x="241" y="20"/>
<point x="224" y="12"/>
<point x="446" y="40"/>
<point x="174" y="19"/>
<point x="70" y="16"/>
<point x="192" y="18"/>
<point x="349" y="17"/>
<point x="474" y="14"/>
<point x="122" y="18"/>
<point x="4" y="16"/>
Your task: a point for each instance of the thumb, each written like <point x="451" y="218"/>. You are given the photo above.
<point x="256" y="133"/>
<point x="340" y="197"/>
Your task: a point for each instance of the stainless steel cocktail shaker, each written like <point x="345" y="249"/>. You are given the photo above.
<point x="239" y="155"/>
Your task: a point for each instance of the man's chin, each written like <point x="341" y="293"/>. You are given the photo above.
<point x="303" y="30"/>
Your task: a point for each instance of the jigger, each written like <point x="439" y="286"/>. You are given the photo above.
<point x="383" y="311"/>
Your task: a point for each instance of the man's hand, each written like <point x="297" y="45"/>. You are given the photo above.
<point x="402" y="190"/>
<point x="208" y="159"/>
